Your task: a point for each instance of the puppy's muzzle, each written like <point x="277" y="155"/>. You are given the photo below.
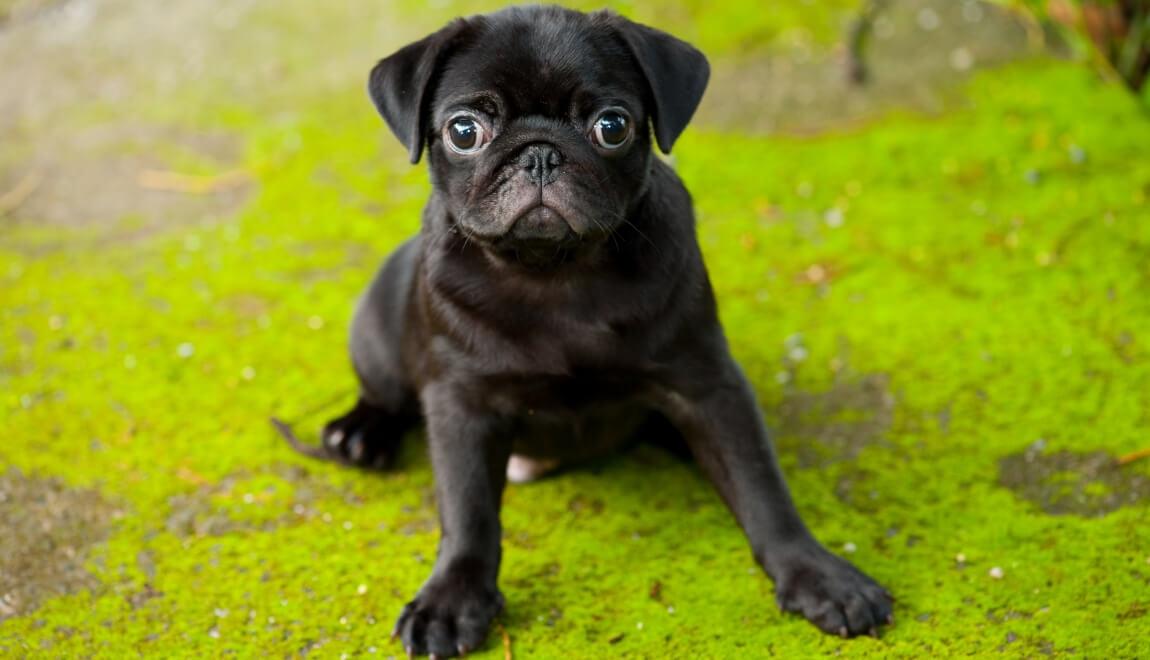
<point x="540" y="225"/>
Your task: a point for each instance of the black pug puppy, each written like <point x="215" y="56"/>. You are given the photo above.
<point x="556" y="302"/>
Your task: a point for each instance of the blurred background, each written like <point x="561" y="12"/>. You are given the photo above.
<point x="926" y="221"/>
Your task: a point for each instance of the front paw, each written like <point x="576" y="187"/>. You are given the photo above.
<point x="830" y="592"/>
<point x="447" y="618"/>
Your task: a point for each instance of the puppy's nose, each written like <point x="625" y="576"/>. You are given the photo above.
<point x="541" y="161"/>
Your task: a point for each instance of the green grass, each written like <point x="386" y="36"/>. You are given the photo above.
<point x="997" y="287"/>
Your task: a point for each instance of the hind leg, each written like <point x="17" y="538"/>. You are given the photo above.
<point x="369" y="435"/>
<point x="366" y="436"/>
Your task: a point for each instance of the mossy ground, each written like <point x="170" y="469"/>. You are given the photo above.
<point x="922" y="301"/>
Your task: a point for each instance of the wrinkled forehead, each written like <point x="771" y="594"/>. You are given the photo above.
<point x="554" y="66"/>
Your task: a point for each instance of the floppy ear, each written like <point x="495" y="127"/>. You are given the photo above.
<point x="676" y="75"/>
<point x="400" y="84"/>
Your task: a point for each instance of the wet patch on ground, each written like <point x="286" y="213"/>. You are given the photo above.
<point x="1088" y="484"/>
<point x="822" y="428"/>
<point x="81" y="151"/>
<point x="278" y="496"/>
<point x="250" y="500"/>
<point x="48" y="531"/>
<point x="125" y="181"/>
<point x="858" y="489"/>
<point x="920" y="54"/>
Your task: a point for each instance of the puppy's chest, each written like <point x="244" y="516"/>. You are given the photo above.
<point x="546" y="394"/>
<point x="563" y="345"/>
<point x="548" y="361"/>
<point x="543" y="344"/>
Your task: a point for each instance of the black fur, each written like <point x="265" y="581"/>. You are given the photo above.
<point x="554" y="301"/>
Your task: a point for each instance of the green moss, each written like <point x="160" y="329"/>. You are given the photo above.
<point x="994" y="285"/>
<point x="716" y="28"/>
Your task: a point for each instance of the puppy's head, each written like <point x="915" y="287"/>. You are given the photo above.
<point x="536" y="121"/>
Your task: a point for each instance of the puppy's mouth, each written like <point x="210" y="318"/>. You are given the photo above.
<point x="539" y="226"/>
<point x="539" y="237"/>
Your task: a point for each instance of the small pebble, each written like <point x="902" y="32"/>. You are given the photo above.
<point x="884" y="27"/>
<point x="833" y="217"/>
<point x="996" y="573"/>
<point x="960" y="558"/>
<point x="961" y="59"/>
<point x="971" y="12"/>
<point x="214" y="633"/>
<point x="185" y="350"/>
<point x="361" y="589"/>
<point x="670" y="610"/>
<point x="1077" y="154"/>
<point x="928" y="19"/>
<point x="849" y="548"/>
<point x="221" y="612"/>
<point x="816" y="274"/>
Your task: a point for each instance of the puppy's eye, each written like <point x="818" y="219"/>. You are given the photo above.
<point x="612" y="129"/>
<point x="465" y="135"/>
